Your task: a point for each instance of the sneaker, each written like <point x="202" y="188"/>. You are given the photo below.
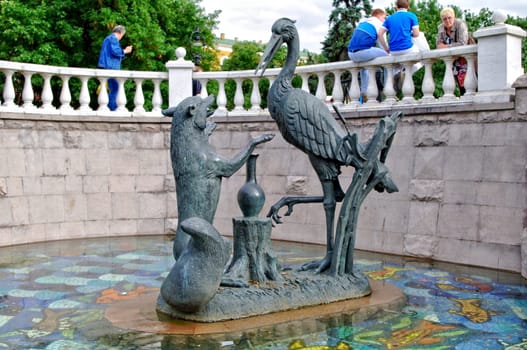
<point x="363" y="98"/>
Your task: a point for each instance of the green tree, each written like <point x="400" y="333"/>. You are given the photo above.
<point x="27" y="34"/>
<point x="522" y="23"/>
<point x="342" y="21"/>
<point x="245" y="55"/>
<point x="70" y="32"/>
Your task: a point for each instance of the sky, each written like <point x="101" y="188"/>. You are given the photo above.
<point x="252" y="20"/>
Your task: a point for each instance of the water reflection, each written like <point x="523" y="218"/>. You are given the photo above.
<point x="56" y="295"/>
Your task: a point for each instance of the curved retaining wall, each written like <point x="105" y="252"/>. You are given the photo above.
<point x="461" y="172"/>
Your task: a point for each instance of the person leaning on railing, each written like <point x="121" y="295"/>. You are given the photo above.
<point x="453" y="32"/>
<point x="196" y="84"/>
<point x="110" y="57"/>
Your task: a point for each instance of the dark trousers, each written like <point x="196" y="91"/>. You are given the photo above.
<point x="113" y="86"/>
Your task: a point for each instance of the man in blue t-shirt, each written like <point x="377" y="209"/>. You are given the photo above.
<point x="401" y="26"/>
<point x="363" y="46"/>
<point x="110" y="57"/>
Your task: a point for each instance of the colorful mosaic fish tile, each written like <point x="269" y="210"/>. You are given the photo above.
<point x="56" y="298"/>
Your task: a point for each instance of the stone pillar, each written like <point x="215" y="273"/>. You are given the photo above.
<point x="521" y="109"/>
<point x="179" y="78"/>
<point x="499" y="55"/>
<point x="521" y="95"/>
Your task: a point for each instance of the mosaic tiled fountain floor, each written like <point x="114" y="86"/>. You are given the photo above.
<point x="54" y="296"/>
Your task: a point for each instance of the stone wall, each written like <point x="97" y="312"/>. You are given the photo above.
<point x="462" y="182"/>
<point x="63" y="178"/>
<point x="461" y="172"/>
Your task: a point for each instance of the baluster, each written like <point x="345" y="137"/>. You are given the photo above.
<point x="305" y="82"/>
<point x="255" y="95"/>
<point x="449" y="83"/>
<point x="47" y="94"/>
<point x="321" y="88"/>
<point x="238" y="95"/>
<point x="346" y="85"/>
<point x="354" y="90"/>
<point x="389" y="91"/>
<point x="121" y="95"/>
<point x="221" y="100"/>
<point x="408" y="83"/>
<point x="157" y="99"/>
<point x="27" y="92"/>
<point x="338" y="95"/>
<point x="271" y="81"/>
<point x="428" y="82"/>
<point x="139" y="97"/>
<point x="204" y="92"/>
<point x="372" y="91"/>
<point x="84" y="97"/>
<point x="9" y="90"/>
<point x="103" y="95"/>
<point x="471" y="81"/>
<point x="65" y="94"/>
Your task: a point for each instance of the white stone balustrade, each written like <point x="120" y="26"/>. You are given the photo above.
<point x="480" y="79"/>
<point x="31" y="97"/>
<point x="339" y="93"/>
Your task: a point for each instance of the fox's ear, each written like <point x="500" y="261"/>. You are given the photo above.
<point x="169" y="112"/>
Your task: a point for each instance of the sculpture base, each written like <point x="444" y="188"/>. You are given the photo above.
<point x="139" y="314"/>
<point x="297" y="290"/>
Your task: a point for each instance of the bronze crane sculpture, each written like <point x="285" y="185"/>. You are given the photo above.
<point x="306" y="122"/>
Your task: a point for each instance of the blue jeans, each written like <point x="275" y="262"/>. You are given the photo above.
<point x="113" y="86"/>
<point x="362" y="56"/>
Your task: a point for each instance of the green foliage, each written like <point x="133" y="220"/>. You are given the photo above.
<point x="522" y="23"/>
<point x="70" y="33"/>
<point x="342" y="21"/>
<point x="428" y="14"/>
<point x="245" y="55"/>
<point x="28" y="33"/>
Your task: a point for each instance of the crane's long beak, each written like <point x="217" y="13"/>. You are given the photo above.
<point x="272" y="47"/>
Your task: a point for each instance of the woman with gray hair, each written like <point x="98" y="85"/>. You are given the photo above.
<point x="453" y="32"/>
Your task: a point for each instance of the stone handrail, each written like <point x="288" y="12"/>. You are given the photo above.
<point x="338" y="69"/>
<point x="33" y="100"/>
<point x="19" y="95"/>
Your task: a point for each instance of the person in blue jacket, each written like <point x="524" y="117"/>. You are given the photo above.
<point x="110" y="58"/>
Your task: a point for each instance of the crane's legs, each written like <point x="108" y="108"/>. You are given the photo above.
<point x="332" y="194"/>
